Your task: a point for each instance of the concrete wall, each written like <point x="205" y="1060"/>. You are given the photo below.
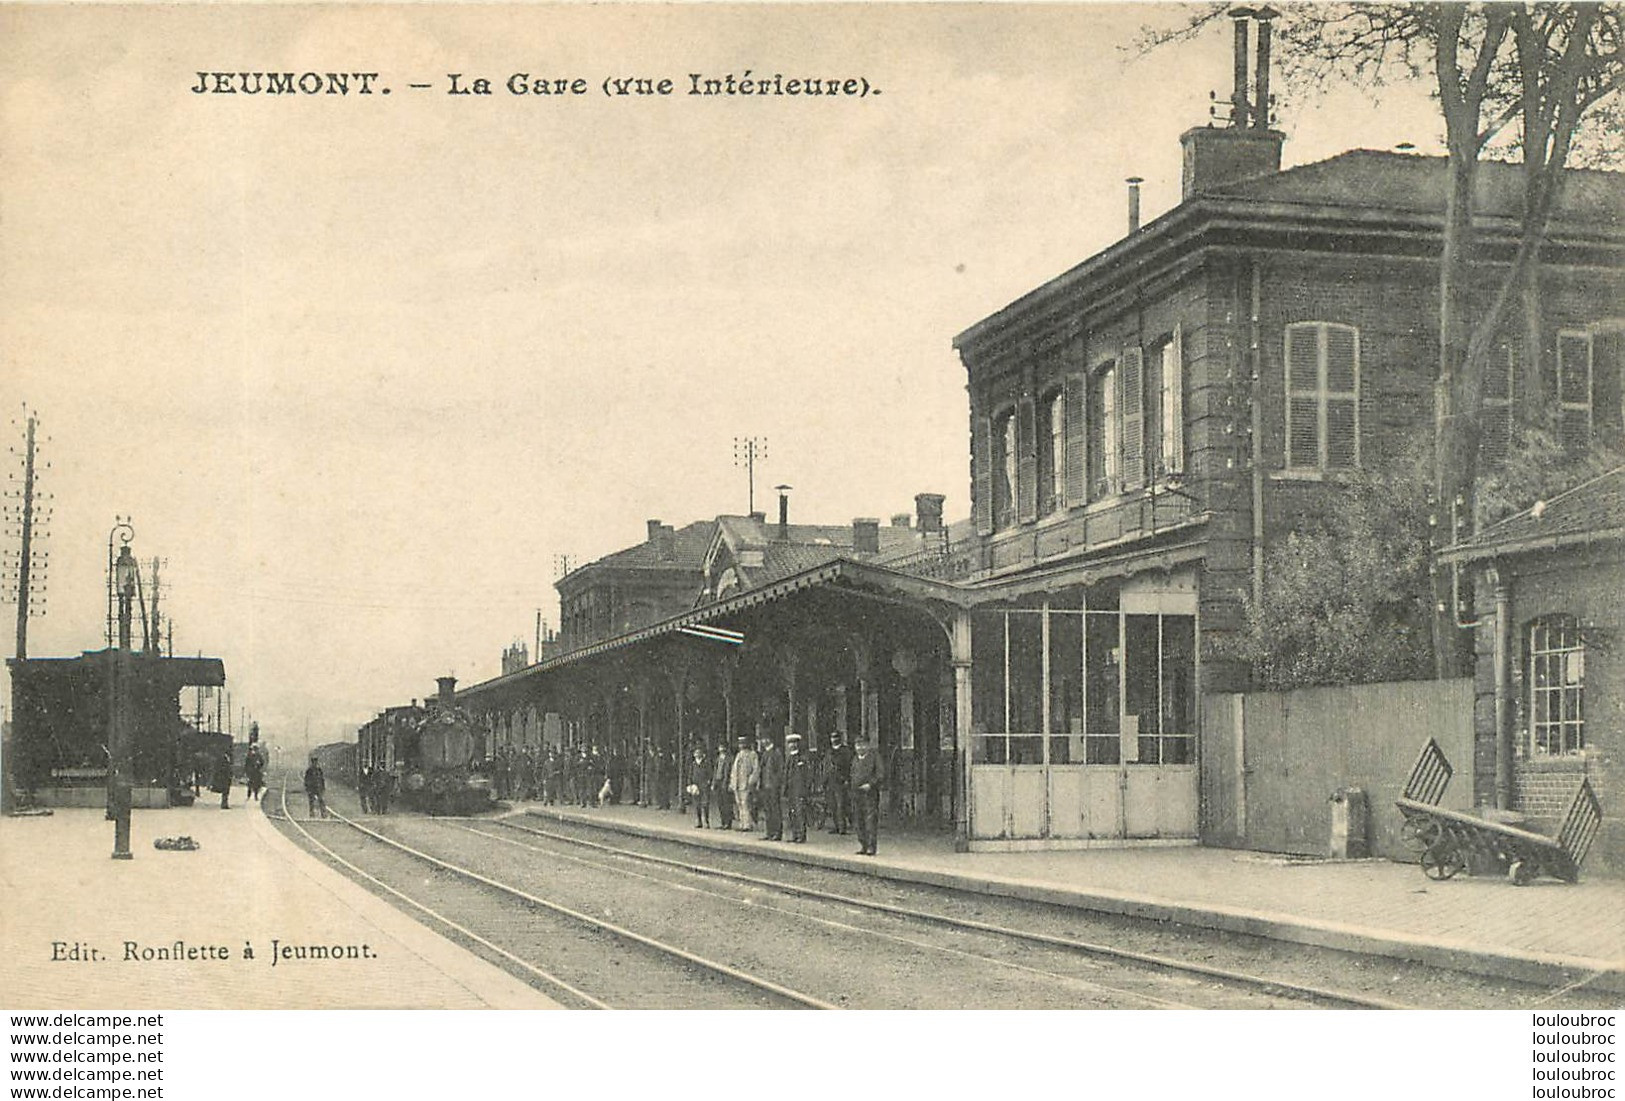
<point x="1267" y="783"/>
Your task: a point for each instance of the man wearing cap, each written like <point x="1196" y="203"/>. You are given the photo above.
<point x="743" y="778"/>
<point x="868" y="774"/>
<point x="838" y="786"/>
<point x="797" y="787"/>
<point x="772" y="791"/>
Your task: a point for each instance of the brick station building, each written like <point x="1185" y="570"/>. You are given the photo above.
<point x="1142" y="428"/>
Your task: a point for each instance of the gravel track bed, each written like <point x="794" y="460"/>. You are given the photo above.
<point x="607" y="967"/>
<point x="1413" y="984"/>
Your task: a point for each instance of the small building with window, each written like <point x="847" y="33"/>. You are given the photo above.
<point x="1549" y="681"/>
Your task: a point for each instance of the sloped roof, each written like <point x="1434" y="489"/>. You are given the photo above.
<point x="1591" y="512"/>
<point x="1376" y="191"/>
<point x="689" y="545"/>
<point x="1406" y="181"/>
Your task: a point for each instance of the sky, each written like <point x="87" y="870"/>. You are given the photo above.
<point x="361" y="369"/>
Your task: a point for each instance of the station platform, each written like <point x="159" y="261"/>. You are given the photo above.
<point x="1549" y="932"/>
<point x="61" y="894"/>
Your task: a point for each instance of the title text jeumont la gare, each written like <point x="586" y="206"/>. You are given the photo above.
<point x="747" y="83"/>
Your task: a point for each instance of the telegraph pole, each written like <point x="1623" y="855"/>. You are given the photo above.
<point x="747" y="449"/>
<point x="30" y="601"/>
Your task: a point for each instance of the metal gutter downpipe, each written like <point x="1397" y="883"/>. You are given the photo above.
<point x="1503" y="684"/>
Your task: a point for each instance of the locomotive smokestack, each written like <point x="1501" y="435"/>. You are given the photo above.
<point x="1238" y="96"/>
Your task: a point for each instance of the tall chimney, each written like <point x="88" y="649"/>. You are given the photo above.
<point x="1261" y="102"/>
<point x="1134" y="183"/>
<point x="928" y="507"/>
<point x="654" y="532"/>
<point x="1238" y="97"/>
<point x="447" y="695"/>
<point x="866" y="535"/>
<point x="784" y="512"/>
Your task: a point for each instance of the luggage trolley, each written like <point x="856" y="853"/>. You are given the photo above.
<point x="1444" y="839"/>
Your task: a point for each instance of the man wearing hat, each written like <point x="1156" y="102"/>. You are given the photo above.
<point x="743" y="777"/>
<point x="772" y="791"/>
<point x="868" y="774"/>
<point x="797" y="787"/>
<point x="838" y="785"/>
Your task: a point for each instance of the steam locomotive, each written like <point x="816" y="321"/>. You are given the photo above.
<point x="432" y="752"/>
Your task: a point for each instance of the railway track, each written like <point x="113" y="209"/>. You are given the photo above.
<point x="715" y="921"/>
<point x="1274" y="987"/>
<point x="469" y="916"/>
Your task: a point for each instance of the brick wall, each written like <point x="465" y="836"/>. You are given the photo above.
<point x="1589" y="585"/>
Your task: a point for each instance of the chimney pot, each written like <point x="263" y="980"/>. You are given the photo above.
<point x="1238" y="96"/>
<point x="1261" y="100"/>
<point x="866" y="535"/>
<point x="784" y="512"/>
<point x="1134" y="183"/>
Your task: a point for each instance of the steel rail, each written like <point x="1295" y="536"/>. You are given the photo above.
<point x="545" y="976"/>
<point x="1070" y="980"/>
<point x="722" y="969"/>
<point x="1168" y="963"/>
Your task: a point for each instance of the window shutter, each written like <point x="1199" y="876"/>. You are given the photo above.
<point x="1131" y="408"/>
<point x="982" y="475"/>
<point x="1342" y="397"/>
<point x="1574" y="389"/>
<point x="1173" y="405"/>
<point x="1302" y="388"/>
<point x="1495" y="431"/>
<point x="1075" y="401"/>
<point x="1026" y="486"/>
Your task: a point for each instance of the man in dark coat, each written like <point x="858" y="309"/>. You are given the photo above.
<point x="221" y="780"/>
<point x="868" y="775"/>
<point x="772" y="791"/>
<point x="720" y="771"/>
<point x="254" y="766"/>
<point x="838" y="788"/>
<point x="798" y="777"/>
<point x="316" y="790"/>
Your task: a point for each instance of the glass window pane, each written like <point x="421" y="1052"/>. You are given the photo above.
<point x="1102" y="751"/>
<point x="1101" y="696"/>
<point x="987" y="671"/>
<point x="1179" y="674"/>
<point x="1027" y="751"/>
<point x="989" y="750"/>
<point x="1026" y="672"/>
<point x="1140" y="643"/>
<point x="1065" y="674"/>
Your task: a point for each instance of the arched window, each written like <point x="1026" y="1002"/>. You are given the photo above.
<point x="1556" y="692"/>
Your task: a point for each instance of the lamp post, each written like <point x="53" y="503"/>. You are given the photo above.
<point x="121" y="578"/>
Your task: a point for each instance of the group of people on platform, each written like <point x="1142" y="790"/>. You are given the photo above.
<point x="764" y="786"/>
<point x="751" y="785"/>
<point x="222" y="773"/>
